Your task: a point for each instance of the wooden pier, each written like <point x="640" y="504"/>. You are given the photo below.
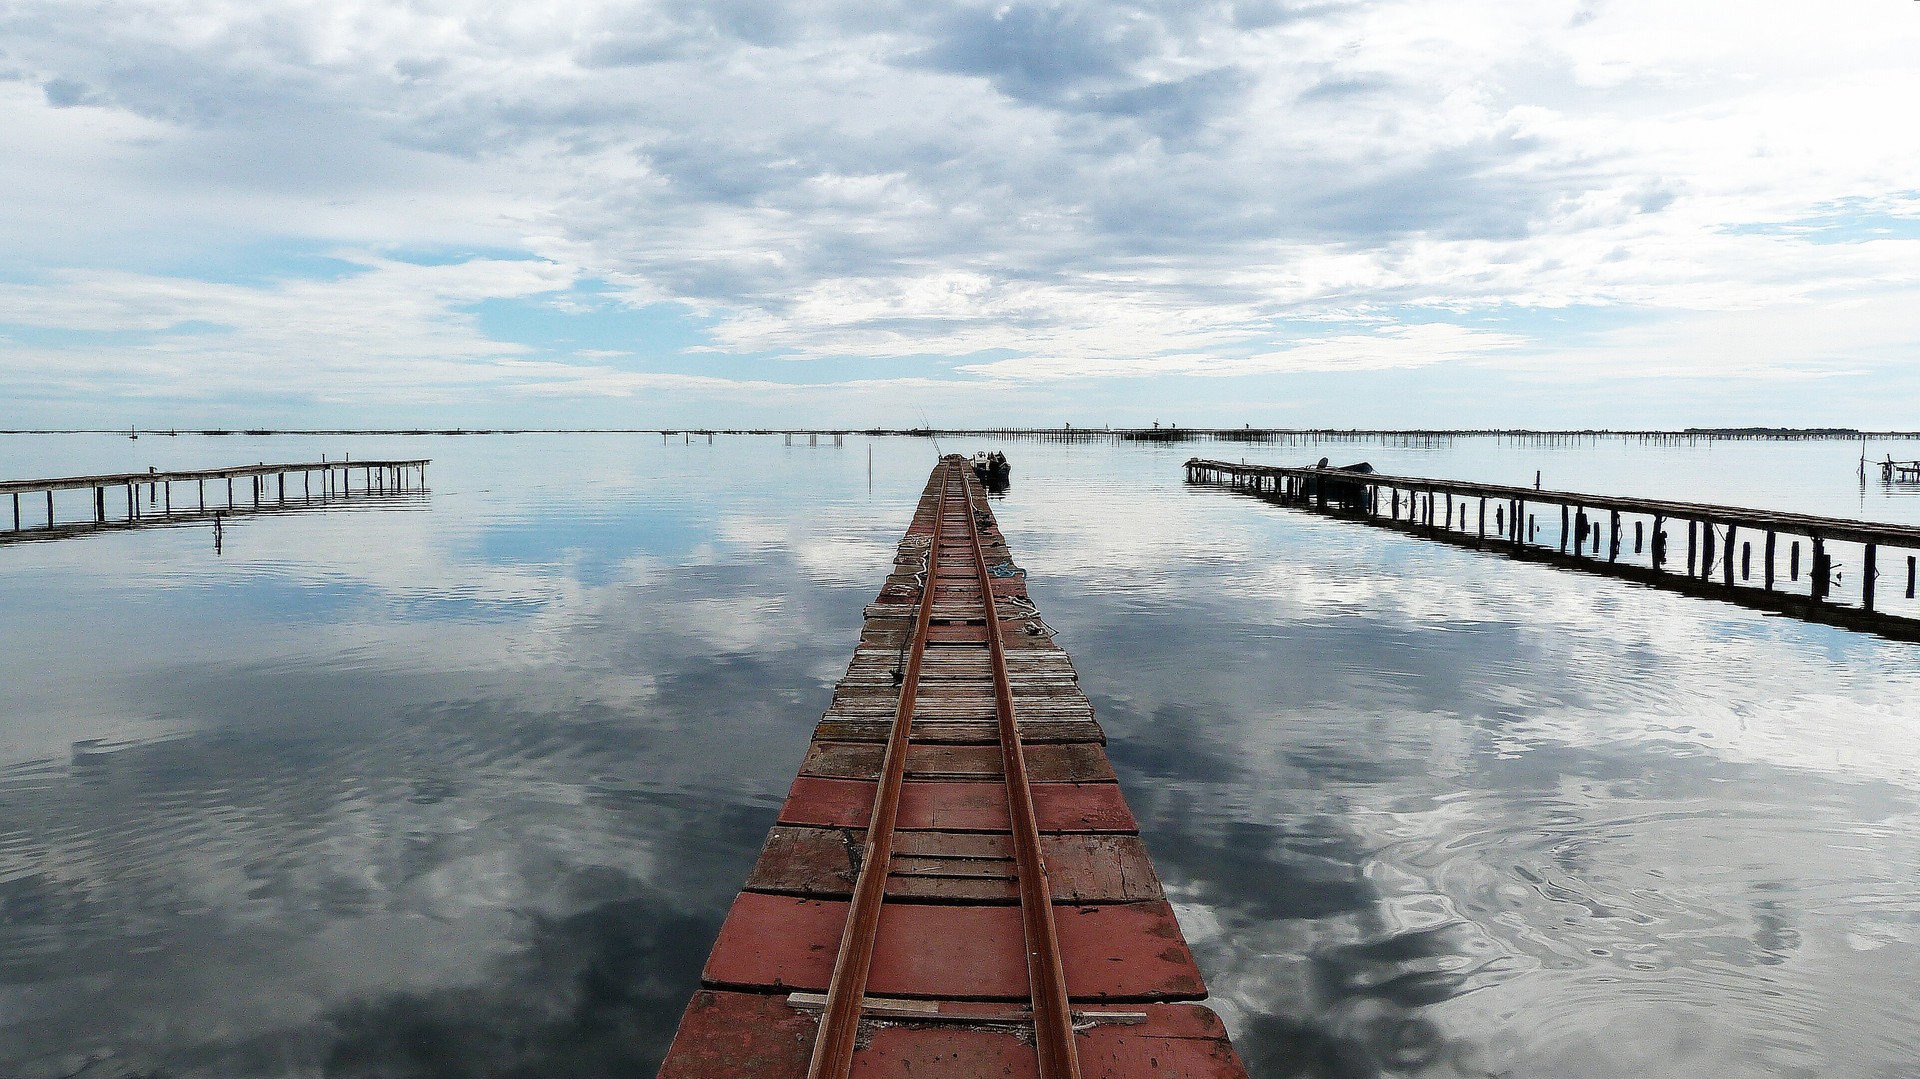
<point x="1892" y="471"/>
<point x="1823" y="569"/>
<point x="130" y="499"/>
<point x="955" y="886"/>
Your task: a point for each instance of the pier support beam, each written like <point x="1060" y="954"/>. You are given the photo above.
<point x="1867" y="574"/>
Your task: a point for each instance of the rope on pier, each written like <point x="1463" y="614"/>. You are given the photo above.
<point x="1027" y="610"/>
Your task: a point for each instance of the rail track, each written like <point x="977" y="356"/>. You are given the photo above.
<point x="955" y="886"/>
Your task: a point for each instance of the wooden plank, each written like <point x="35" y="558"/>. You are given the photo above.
<point x="733" y="1035"/>
<point x="1045" y="763"/>
<point x="962" y="732"/>
<point x="1082" y="867"/>
<point x="959" y="806"/>
<point x="1111" y="952"/>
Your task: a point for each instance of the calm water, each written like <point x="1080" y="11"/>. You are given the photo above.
<point x="463" y="785"/>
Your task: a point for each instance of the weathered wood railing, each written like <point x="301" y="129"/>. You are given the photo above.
<point x="1592" y="531"/>
<point x="156" y="488"/>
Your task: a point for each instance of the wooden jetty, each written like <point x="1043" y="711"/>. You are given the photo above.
<point x="128" y="499"/>
<point x="955" y="885"/>
<point x="1624" y="536"/>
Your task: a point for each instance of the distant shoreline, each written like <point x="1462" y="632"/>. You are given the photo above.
<point x="1140" y="434"/>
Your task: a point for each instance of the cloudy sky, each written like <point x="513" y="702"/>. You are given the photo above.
<point x="1277" y="212"/>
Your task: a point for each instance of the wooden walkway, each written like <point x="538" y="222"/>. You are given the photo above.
<point x="955" y="885"/>
<point x="1629" y="537"/>
<point x="127" y="499"/>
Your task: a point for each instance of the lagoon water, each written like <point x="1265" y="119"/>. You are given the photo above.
<point x="463" y="784"/>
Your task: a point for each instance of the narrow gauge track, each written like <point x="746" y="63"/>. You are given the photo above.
<point x="902" y="918"/>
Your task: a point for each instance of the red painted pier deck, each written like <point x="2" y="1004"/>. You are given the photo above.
<point x="955" y="886"/>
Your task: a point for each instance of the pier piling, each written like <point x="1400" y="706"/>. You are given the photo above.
<point x="1717" y="536"/>
<point x="149" y="495"/>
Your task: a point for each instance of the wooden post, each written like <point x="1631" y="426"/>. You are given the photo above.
<point x="229" y="492"/>
<point x="169" y="505"/>
<point x="1483" y="517"/>
<point x="99" y="504"/>
<point x="1766" y="572"/>
<point x="1500" y="520"/>
<point x="1659" y="542"/>
<point x="1639" y="536"/>
<point x="283" y="490"/>
<point x="1746" y="561"/>
<point x="1449" y="511"/>
<point x="203" y="494"/>
<point x="1613" y="538"/>
<point x="1726" y="573"/>
<point x="1396" y="510"/>
<point x="1867" y="574"/>
<point x="133" y="504"/>
<point x="1579" y="530"/>
<point x="16" y="521"/>
<point x="1910" y="558"/>
<point x="50" y="512"/>
<point x="1820" y="568"/>
<point x="1533" y="527"/>
<point x="1706" y="550"/>
<point x="1564" y="527"/>
<point x="1793" y="562"/>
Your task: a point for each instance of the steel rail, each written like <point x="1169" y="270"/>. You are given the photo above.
<point x="1046" y="977"/>
<point x="839" y="1030"/>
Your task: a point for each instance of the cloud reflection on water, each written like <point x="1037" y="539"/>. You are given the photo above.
<point x="1422" y="813"/>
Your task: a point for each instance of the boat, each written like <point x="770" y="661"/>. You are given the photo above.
<point x="991" y="466"/>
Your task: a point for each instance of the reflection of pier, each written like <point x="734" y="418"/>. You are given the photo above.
<point x="138" y="499"/>
<point x="1625" y="537"/>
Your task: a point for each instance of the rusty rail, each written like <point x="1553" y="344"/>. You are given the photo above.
<point x="1006" y="811"/>
<point x="846" y="992"/>
<point x="1046" y="977"/>
<point x="845" y="1000"/>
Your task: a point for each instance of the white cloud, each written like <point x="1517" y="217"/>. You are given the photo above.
<point x="1100" y="189"/>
